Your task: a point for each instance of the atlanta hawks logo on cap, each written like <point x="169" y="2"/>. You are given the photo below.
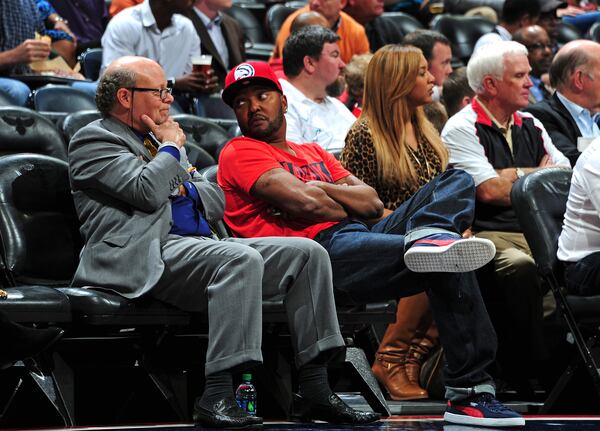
<point x="244" y="70"/>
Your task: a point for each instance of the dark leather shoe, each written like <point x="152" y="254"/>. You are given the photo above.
<point x="335" y="411"/>
<point x="225" y="413"/>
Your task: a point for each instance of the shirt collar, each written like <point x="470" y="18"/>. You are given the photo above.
<point x="574" y="109"/>
<point x="209" y="23"/>
<point x="494" y="120"/>
<point x="148" y="19"/>
<point x="504" y="33"/>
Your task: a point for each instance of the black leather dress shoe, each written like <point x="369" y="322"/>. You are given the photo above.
<point x="225" y="413"/>
<point x="335" y="411"/>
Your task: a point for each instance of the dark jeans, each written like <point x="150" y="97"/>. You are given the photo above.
<point x="368" y="266"/>
<point x="583" y="277"/>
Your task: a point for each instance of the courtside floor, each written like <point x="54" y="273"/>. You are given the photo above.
<point x="395" y="423"/>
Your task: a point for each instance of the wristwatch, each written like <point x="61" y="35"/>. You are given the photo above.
<point x="520" y="173"/>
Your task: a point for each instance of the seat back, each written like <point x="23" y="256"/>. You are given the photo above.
<point x="203" y="133"/>
<point x="75" y="121"/>
<point x="62" y="98"/>
<point x="5" y="100"/>
<point x="566" y="33"/>
<point x="540" y="202"/>
<point x="276" y="15"/>
<point x="91" y="61"/>
<point x="253" y="30"/>
<point x="403" y="22"/>
<point x="38" y="224"/>
<point x="463" y="32"/>
<point x="23" y="130"/>
<point x="595" y="32"/>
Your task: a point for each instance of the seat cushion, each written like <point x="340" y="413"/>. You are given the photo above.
<point x="99" y="307"/>
<point x="31" y="304"/>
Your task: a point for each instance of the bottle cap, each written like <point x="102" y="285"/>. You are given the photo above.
<point x="247" y="377"/>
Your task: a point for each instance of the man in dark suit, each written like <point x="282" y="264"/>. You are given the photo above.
<point x="220" y="35"/>
<point x="569" y="115"/>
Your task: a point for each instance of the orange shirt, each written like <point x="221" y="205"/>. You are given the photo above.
<point x="117" y="6"/>
<point x="353" y="37"/>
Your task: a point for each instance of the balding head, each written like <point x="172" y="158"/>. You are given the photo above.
<point x="574" y="56"/>
<point x="574" y="72"/>
<point x="308" y="18"/>
<point x="122" y="80"/>
<point x="537" y="42"/>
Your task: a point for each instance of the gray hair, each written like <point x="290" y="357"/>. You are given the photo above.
<point x="489" y="60"/>
<point x="111" y="81"/>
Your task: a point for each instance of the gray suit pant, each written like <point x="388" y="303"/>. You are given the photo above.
<point x="229" y="278"/>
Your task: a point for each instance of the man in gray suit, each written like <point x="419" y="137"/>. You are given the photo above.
<point x="145" y="214"/>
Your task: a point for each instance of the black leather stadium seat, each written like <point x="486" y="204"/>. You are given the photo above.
<point x="203" y="133"/>
<point x="75" y="121"/>
<point x="91" y="62"/>
<point x="23" y="130"/>
<point x="463" y="32"/>
<point x="276" y="16"/>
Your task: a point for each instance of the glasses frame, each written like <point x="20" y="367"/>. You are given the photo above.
<point x="162" y="92"/>
<point x="539" y="46"/>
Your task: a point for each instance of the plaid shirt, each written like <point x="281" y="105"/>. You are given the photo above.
<point x="19" y="20"/>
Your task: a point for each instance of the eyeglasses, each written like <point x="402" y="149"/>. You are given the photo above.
<point x="160" y="92"/>
<point x="538" y="46"/>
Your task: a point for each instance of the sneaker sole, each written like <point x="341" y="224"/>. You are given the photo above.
<point x="487" y="422"/>
<point x="460" y="256"/>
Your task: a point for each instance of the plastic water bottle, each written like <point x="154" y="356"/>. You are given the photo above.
<point x="245" y="395"/>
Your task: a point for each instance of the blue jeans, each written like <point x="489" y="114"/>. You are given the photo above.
<point x="368" y="266"/>
<point x="16" y="91"/>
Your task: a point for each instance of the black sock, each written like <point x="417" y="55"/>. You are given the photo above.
<point x="313" y="383"/>
<point x="216" y="387"/>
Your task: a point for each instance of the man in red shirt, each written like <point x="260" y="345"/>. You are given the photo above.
<point x="279" y="188"/>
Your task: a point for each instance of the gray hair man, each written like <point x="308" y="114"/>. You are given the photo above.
<point x="498" y="144"/>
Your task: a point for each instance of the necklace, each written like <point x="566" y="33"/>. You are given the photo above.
<point x="422" y="154"/>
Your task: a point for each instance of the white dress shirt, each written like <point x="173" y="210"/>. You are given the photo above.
<point x="580" y="234"/>
<point x="134" y="32"/>
<point x="213" y="27"/>
<point x="326" y="123"/>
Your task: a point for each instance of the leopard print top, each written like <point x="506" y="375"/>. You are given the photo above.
<point x="359" y="158"/>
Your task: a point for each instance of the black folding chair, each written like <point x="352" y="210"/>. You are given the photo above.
<point x="539" y="200"/>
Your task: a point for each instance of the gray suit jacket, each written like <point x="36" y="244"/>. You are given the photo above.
<point x="121" y="196"/>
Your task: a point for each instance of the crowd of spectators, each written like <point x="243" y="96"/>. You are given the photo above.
<point x="407" y="122"/>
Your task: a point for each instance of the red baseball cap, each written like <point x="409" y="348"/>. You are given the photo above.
<point x="248" y="73"/>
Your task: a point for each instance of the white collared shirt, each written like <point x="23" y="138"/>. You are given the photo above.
<point x="213" y="26"/>
<point x="583" y="117"/>
<point x="326" y="123"/>
<point x="134" y="32"/>
<point x="580" y="234"/>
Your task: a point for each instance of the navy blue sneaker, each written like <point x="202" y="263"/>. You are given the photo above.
<point x="482" y="410"/>
<point x="448" y="253"/>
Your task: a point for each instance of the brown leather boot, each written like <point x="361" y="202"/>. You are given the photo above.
<point x="419" y="349"/>
<point x="390" y="361"/>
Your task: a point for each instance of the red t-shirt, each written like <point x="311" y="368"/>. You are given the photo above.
<point x="244" y="160"/>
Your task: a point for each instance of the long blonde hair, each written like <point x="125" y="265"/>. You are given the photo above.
<point x="389" y="79"/>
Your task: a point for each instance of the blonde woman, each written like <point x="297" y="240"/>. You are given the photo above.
<point x="396" y="150"/>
